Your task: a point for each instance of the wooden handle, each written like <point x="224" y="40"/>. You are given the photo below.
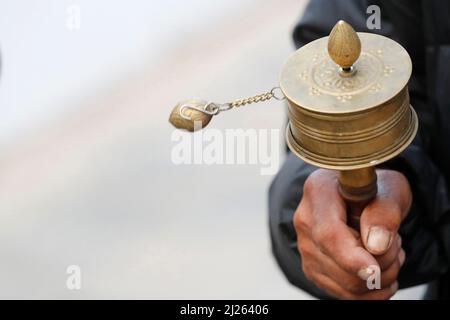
<point x="358" y="187"/>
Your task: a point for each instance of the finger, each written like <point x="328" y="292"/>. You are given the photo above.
<point x="381" y="219"/>
<point x="379" y="223"/>
<point x="387" y="259"/>
<point x="334" y="238"/>
<point x="352" y="283"/>
<point x="320" y="263"/>
<point x="334" y="289"/>
<point x="382" y="294"/>
<point x="356" y="285"/>
<point x="389" y="276"/>
<point x="314" y="261"/>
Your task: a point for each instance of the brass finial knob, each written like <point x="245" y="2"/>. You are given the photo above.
<point x="344" y="46"/>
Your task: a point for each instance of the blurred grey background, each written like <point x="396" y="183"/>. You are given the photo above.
<point x="86" y="176"/>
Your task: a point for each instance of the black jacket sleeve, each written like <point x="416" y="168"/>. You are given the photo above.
<point x="425" y="232"/>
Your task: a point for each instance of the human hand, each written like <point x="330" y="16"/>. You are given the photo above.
<point x="338" y="259"/>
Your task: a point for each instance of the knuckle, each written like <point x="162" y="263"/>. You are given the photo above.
<point x="306" y="250"/>
<point x="312" y="182"/>
<point x="347" y="263"/>
<point x="323" y="235"/>
<point x="299" y="219"/>
<point x="309" y="186"/>
<point x="396" y="216"/>
<point x="302" y="220"/>
<point x="402" y="179"/>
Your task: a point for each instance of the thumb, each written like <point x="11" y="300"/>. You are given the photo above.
<point x="381" y="219"/>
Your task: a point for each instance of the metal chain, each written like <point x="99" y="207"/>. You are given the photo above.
<point x="254" y="99"/>
<point x="212" y="108"/>
<point x="258" y="98"/>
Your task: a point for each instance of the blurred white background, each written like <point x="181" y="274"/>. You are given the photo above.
<point x="86" y="176"/>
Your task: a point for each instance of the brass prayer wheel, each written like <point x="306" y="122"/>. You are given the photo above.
<point x="349" y="107"/>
